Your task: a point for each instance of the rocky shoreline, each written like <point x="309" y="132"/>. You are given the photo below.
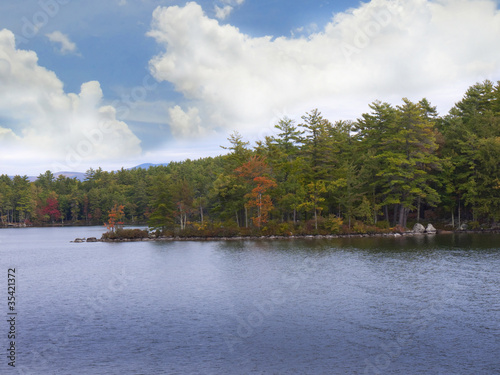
<point x="292" y="237"/>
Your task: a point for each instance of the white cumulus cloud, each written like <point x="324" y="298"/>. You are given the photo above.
<point x="39" y="121"/>
<point x="222" y="13"/>
<point x="185" y="124"/>
<point x="66" y="45"/>
<point x="384" y="49"/>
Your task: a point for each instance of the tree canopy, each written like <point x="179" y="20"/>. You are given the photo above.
<point x="395" y="165"/>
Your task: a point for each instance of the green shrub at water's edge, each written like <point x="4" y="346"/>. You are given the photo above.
<point x="127" y="234"/>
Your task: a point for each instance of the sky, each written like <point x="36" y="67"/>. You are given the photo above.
<point x="117" y="83"/>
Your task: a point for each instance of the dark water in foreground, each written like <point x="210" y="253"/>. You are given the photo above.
<point x="421" y="305"/>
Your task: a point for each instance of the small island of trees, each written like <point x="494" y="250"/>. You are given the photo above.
<point x="393" y="167"/>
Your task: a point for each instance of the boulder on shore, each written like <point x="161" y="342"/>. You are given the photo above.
<point x="418" y="228"/>
<point x="430" y="229"/>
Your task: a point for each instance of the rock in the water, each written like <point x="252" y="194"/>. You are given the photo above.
<point x="91" y="239"/>
<point x="418" y="228"/>
<point x="78" y="240"/>
<point x="430" y="229"/>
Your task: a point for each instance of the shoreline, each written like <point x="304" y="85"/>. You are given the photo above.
<point x="292" y="237"/>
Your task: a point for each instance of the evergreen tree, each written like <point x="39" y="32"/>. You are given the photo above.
<point x="163" y="208"/>
<point x="471" y="131"/>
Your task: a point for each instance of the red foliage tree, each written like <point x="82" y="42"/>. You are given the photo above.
<point x="255" y="167"/>
<point x="258" y="198"/>
<point x="255" y="172"/>
<point x="51" y="208"/>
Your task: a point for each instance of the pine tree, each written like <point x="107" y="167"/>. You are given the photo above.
<point x="405" y="147"/>
<point x="472" y="136"/>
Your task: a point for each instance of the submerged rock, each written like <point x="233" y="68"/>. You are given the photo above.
<point x="418" y="228"/>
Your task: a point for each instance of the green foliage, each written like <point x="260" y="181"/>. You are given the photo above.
<point x="333" y="224"/>
<point x="126" y="234"/>
<point x="217" y="230"/>
<point x="360" y="227"/>
<point x="162" y="204"/>
<point x="316" y="177"/>
<point x="383" y="224"/>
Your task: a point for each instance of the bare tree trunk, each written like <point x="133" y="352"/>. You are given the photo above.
<point x="418" y="210"/>
<point x="260" y="204"/>
<point x="403" y="212"/>
<point x="183" y="220"/>
<point x="315" y="219"/>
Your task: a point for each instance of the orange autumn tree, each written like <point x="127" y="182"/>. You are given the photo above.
<point x="256" y="173"/>
<point x="258" y="198"/>
<point x="115" y="217"/>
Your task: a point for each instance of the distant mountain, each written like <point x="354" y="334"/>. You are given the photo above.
<point x="81" y="176"/>
<point x="147" y="165"/>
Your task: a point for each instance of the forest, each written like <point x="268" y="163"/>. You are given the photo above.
<point x="394" y="166"/>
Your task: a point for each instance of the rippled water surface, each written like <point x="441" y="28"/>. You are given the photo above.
<point x="419" y="305"/>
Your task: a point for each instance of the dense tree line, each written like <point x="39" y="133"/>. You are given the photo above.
<point x="393" y="166"/>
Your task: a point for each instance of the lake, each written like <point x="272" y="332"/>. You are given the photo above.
<point x="408" y="305"/>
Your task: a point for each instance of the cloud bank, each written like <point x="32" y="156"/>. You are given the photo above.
<point x="385" y="49"/>
<point x="39" y="121"/>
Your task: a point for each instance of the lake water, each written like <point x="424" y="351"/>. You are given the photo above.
<point x="415" y="305"/>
